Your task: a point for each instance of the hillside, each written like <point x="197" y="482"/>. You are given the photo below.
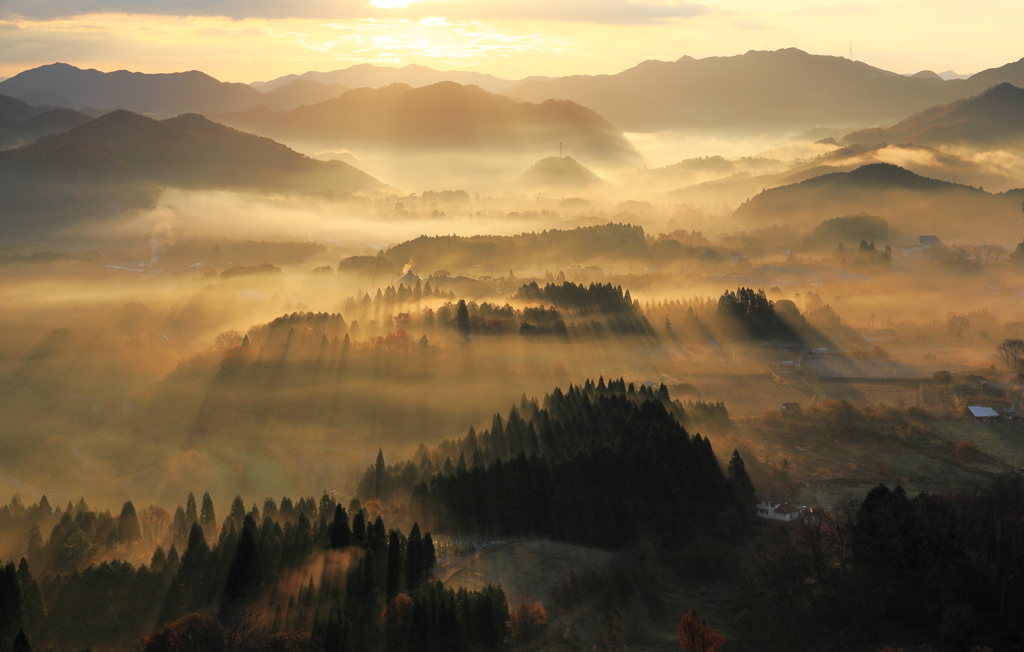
<point x="60" y="84"/>
<point x="300" y="92"/>
<point x="441" y="116"/>
<point x="370" y="76"/>
<point x="994" y="117"/>
<point x="733" y="181"/>
<point x="556" y="172"/>
<point x="21" y="123"/>
<point x="910" y="202"/>
<point x="122" y="160"/>
<point x="784" y="89"/>
<point x="526" y="569"/>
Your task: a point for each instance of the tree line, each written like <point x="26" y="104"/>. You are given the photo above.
<point x="603" y="464"/>
<point x="942" y="570"/>
<point x="301" y="572"/>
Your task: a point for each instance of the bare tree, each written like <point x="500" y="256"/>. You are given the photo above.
<point x="957" y="325"/>
<point x="1012" y="352"/>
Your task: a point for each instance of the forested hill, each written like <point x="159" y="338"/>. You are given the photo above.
<point x="294" y="576"/>
<point x="608" y="241"/>
<point x="598" y="464"/>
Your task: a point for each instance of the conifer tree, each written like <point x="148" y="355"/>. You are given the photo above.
<point x="191" y="514"/>
<point x="462" y="322"/>
<point x="359" y="528"/>
<point x="415" y="562"/>
<point x="741" y="484"/>
<point x="339" y="534"/>
<point x="32" y="599"/>
<point x="237" y="514"/>
<point x="394" y="576"/>
<point x="207" y="518"/>
<point x="12" y="610"/>
<point x="128" y="530"/>
<point x="244" y="575"/>
<point x="378" y="474"/>
<point x="21" y="643"/>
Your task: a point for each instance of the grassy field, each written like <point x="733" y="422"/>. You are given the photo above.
<point x="1001" y="440"/>
<point x="524" y="569"/>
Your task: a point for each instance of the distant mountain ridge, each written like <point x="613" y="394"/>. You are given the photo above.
<point x="782" y="89"/>
<point x="168" y="94"/>
<point x="122" y="160"/>
<point x="559" y="172"/>
<point x="21" y="123"/>
<point x="370" y="76"/>
<point x="993" y="117"/>
<point x="445" y="116"/>
<point x="889" y="191"/>
<point x="778" y="90"/>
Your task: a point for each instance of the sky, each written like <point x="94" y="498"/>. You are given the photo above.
<point x="257" y="40"/>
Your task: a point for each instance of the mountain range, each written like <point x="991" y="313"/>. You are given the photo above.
<point x="890" y="191"/>
<point x="63" y="85"/>
<point x="776" y="90"/>
<point x="370" y="76"/>
<point x="21" y="123"/>
<point x="782" y="89"/>
<point x="446" y="116"/>
<point x="123" y="160"/>
<point x="994" y="117"/>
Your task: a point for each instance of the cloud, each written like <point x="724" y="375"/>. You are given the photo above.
<point x="236" y="9"/>
<point x="596" y="11"/>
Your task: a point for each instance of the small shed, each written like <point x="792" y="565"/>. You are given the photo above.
<point x="929" y="241"/>
<point x="982" y="412"/>
<point x="790" y="408"/>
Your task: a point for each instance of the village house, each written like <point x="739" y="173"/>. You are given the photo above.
<point x="775" y="506"/>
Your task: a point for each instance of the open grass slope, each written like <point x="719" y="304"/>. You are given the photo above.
<point x="525" y="569"/>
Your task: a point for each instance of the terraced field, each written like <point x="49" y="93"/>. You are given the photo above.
<point x="1001" y="440"/>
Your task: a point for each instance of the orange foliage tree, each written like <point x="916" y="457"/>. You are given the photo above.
<point x="193" y="633"/>
<point x="397" y="620"/>
<point x="696" y="635"/>
<point x="528" y="620"/>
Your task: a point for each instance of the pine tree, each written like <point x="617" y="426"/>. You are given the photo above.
<point x="32" y="598"/>
<point x="128" y="530"/>
<point x="415" y="564"/>
<point x="191" y="514"/>
<point x="21" y="643"/>
<point x="339" y="535"/>
<point x="378" y="474"/>
<point x="244" y="575"/>
<point x="394" y="576"/>
<point x="207" y="518"/>
<point x="359" y="528"/>
<point x="742" y="487"/>
<point x="237" y="514"/>
<point x="12" y="610"/>
<point x="462" y="322"/>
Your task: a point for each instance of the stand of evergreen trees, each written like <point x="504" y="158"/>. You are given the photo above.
<point x="754" y="315"/>
<point x="621" y="315"/>
<point x="303" y="572"/>
<point x="598" y="464"/>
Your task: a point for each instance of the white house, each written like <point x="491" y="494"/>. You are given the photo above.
<point x="775" y="506"/>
